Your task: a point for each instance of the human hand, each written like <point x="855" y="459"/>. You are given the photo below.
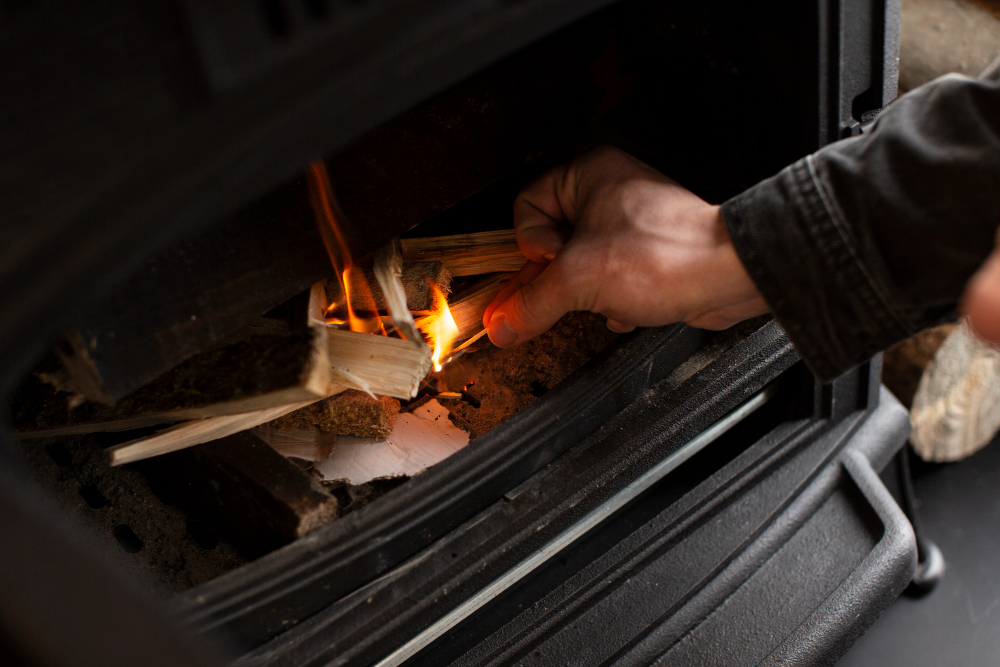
<point x="643" y="251"/>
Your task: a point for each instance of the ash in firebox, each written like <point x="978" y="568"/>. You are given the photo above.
<point x="503" y="381"/>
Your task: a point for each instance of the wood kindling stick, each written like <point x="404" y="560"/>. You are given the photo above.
<point x="388" y="270"/>
<point x="370" y="363"/>
<point x="378" y="364"/>
<point x="468" y="308"/>
<point x="162" y="403"/>
<point x="467" y="254"/>
<point x="197" y="432"/>
<point x="416" y="277"/>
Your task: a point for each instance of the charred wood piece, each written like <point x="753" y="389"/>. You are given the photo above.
<point x="247" y="491"/>
<point x="416" y="278"/>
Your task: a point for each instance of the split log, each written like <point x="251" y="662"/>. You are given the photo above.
<point x="378" y="364"/>
<point x="415" y="277"/>
<point x="903" y="364"/>
<point x="260" y="368"/>
<point x="247" y="491"/>
<point x="350" y="413"/>
<point x="956" y="410"/>
<point x="360" y="361"/>
<point x="467" y="254"/>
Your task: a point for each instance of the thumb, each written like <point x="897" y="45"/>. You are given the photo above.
<point x="538" y="211"/>
<point x="981" y="301"/>
<point x="530" y="310"/>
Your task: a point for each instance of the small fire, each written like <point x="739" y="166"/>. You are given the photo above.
<point x="437" y="325"/>
<point x="439" y="328"/>
<point x="356" y="322"/>
<point x="325" y="207"/>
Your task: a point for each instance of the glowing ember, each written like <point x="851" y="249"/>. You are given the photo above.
<point x="325" y="208"/>
<point x="439" y="327"/>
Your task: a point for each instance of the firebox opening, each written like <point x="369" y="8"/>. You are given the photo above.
<point x="176" y="342"/>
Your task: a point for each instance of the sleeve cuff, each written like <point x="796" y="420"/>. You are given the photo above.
<point x="804" y="260"/>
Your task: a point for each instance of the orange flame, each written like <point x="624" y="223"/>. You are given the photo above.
<point x="439" y="327"/>
<point x="327" y="214"/>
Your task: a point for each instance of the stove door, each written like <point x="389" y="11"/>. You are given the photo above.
<point x="730" y="514"/>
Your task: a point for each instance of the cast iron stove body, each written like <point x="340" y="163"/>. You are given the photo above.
<point x="686" y="497"/>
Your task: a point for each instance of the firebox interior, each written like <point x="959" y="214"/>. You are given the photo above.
<point x="657" y="80"/>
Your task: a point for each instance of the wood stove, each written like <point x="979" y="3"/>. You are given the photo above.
<point x="686" y="496"/>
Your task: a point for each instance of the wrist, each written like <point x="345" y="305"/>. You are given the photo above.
<point x="727" y="293"/>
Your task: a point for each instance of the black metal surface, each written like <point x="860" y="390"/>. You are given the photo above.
<point x="958" y="623"/>
<point x="859" y="51"/>
<point x="930" y="560"/>
<point x="61" y="603"/>
<point x="783" y="555"/>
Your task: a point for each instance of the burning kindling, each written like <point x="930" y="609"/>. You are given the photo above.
<point x="344" y="375"/>
<point x="328" y="401"/>
<point x="277" y="366"/>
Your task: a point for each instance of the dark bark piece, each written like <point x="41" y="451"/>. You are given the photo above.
<point x="246" y="490"/>
<point x="350" y="413"/>
<point x="262" y="366"/>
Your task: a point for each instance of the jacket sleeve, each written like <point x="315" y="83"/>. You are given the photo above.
<point x="873" y="238"/>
